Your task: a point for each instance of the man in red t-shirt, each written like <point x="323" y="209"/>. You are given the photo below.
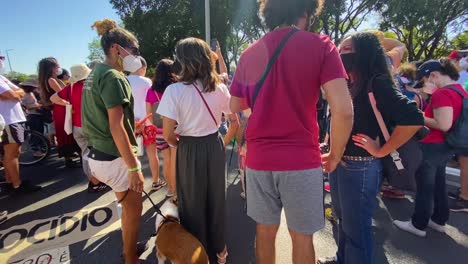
<point x="283" y="155"/>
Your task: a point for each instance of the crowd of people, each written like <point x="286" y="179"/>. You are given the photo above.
<point x="377" y="108"/>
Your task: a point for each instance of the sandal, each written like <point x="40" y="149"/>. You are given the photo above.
<point x="222" y="257"/>
<point x="170" y="194"/>
<point x="158" y="185"/>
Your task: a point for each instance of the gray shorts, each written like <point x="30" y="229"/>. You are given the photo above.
<point x="299" y="192"/>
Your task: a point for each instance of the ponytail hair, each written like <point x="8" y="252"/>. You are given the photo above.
<point x="111" y="33"/>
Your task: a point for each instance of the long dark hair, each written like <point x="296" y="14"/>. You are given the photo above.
<point x="163" y="76"/>
<point x="45" y="70"/>
<point x="369" y="61"/>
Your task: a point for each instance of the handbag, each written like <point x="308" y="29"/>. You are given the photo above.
<point x="68" y="125"/>
<point x="401" y="165"/>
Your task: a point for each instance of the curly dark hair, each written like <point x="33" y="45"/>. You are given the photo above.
<point x="279" y="12"/>
<point x="163" y="76"/>
<point x="370" y="61"/>
<point x="450" y="69"/>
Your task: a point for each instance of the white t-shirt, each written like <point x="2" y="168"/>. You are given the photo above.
<point x="183" y="104"/>
<point x="10" y="109"/>
<point x="140" y="86"/>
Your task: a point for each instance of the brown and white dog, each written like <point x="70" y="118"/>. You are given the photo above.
<point x="175" y="243"/>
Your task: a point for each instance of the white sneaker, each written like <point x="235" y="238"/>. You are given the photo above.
<point x="436" y="227"/>
<point x="409" y="227"/>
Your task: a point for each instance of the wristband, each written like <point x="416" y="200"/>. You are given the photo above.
<point x="137" y="168"/>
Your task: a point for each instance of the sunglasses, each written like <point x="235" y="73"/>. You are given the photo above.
<point x="133" y="50"/>
<point x="2" y="57"/>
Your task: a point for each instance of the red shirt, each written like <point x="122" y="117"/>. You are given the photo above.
<point x="443" y="97"/>
<point x="75" y="100"/>
<point x="283" y="133"/>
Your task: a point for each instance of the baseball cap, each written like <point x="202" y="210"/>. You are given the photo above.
<point x="454" y="55"/>
<point x="425" y="70"/>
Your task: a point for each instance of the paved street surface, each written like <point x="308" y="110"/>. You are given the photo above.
<point x="65" y="192"/>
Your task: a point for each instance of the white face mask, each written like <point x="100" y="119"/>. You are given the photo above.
<point x="429" y="87"/>
<point x="59" y="71"/>
<point x="131" y="63"/>
<point x="2" y="66"/>
<point x="464" y="63"/>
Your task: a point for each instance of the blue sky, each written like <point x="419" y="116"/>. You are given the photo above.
<point x="36" y="29"/>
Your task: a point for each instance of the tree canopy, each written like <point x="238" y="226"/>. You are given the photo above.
<point x="428" y="28"/>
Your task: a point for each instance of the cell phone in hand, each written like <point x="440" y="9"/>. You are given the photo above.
<point x="214" y="44"/>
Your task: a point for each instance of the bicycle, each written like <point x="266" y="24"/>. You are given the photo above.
<point x="35" y="148"/>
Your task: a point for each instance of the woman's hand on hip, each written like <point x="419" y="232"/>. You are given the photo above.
<point x="370" y="145"/>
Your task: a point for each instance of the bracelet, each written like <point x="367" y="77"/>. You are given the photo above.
<point x="135" y="169"/>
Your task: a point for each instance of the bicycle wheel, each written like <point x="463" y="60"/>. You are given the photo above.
<point x="34" y="149"/>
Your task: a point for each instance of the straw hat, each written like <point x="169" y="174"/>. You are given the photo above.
<point x="30" y="82"/>
<point x="79" y="72"/>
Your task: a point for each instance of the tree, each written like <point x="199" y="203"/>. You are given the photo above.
<point x="157" y="24"/>
<point x="246" y="28"/>
<point x="18" y="76"/>
<point x="460" y="42"/>
<point x="339" y="17"/>
<point x="422" y="25"/>
<point x="95" y="50"/>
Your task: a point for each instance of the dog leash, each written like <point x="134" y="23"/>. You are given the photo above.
<point x="158" y="211"/>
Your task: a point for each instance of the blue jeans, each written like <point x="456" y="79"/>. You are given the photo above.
<point x="431" y="196"/>
<point x="354" y="186"/>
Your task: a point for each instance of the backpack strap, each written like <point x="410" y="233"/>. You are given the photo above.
<point x="272" y="61"/>
<point x="455" y="89"/>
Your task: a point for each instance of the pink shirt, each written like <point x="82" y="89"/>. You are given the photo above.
<point x="152" y="98"/>
<point x="283" y="133"/>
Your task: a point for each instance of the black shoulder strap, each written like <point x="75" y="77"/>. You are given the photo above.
<point x="272" y="61"/>
<point x="453" y="88"/>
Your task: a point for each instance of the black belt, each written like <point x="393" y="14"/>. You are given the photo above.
<point x="100" y="156"/>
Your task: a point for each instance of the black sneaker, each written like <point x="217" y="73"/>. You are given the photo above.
<point x="27" y="187"/>
<point x="70" y="164"/>
<point x="459" y="205"/>
<point x="100" y="187"/>
<point x="454" y="195"/>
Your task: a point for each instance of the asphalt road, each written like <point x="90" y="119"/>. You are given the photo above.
<point x="65" y="192"/>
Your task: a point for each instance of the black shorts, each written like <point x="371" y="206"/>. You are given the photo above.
<point x="13" y="134"/>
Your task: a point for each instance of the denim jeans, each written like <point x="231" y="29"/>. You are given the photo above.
<point x="354" y="186"/>
<point x="431" y="196"/>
